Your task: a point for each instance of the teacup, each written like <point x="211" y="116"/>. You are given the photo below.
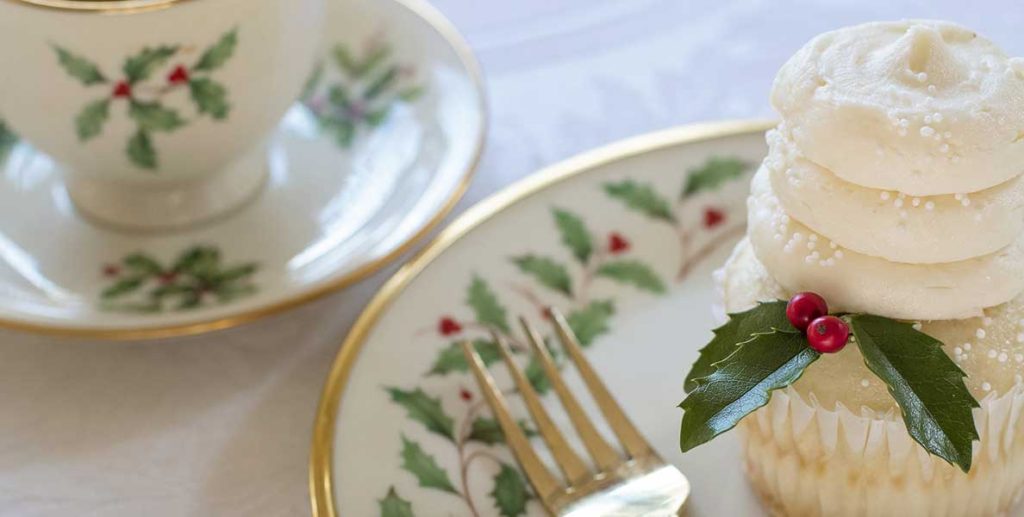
<point x="157" y="109"/>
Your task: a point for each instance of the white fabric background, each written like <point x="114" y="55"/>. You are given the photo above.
<point x="220" y="424"/>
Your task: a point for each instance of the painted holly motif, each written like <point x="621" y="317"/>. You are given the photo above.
<point x="709" y="177"/>
<point x="141" y="283"/>
<point x="367" y="87"/>
<point x="7" y="141"/>
<point x="140" y="90"/>
<point x="472" y="436"/>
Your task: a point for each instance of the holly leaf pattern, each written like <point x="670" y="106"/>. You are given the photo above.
<point x="926" y="383"/>
<point x="218" y="54"/>
<point x="142" y="264"/>
<point x="451" y="359"/>
<point x="634" y="273"/>
<point x="426" y="410"/>
<point x="379" y="85"/>
<point x="712" y="175"/>
<point x="153" y="116"/>
<point x="121" y="288"/>
<point x="198" y="260"/>
<point x="766" y="317"/>
<point x="510" y="493"/>
<point x="210" y="97"/>
<point x="142" y="65"/>
<point x="574" y="234"/>
<point x="742" y="383"/>
<point x="140" y="150"/>
<point x="394" y="506"/>
<point x="591" y="321"/>
<point x="486" y="430"/>
<point x="642" y="198"/>
<point x="7" y="141"/>
<point x="548" y="272"/>
<point x="90" y="120"/>
<point x="78" y="67"/>
<point x="486" y="306"/>
<point x="424" y="467"/>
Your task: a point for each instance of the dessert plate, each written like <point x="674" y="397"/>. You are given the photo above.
<point x="623" y="240"/>
<point x="380" y="146"/>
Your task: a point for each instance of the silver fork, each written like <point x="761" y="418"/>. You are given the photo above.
<point x="637" y="483"/>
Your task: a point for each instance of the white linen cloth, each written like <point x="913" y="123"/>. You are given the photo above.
<point x="220" y="424"/>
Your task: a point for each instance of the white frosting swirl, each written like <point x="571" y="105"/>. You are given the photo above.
<point x="891" y="225"/>
<point x="920" y="107"/>
<point x="800" y="260"/>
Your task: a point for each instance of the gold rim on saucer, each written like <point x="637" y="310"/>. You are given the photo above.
<point x="101" y="6"/>
<point x="465" y="55"/>
<point x="321" y="475"/>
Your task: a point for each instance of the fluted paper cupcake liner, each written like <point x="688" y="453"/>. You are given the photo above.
<point x="808" y="460"/>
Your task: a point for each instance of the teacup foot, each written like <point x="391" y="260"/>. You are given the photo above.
<point x="131" y="206"/>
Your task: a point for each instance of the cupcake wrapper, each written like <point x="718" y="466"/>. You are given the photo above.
<point x="807" y="460"/>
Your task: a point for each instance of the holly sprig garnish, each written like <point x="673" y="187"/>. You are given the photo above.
<point x="770" y="346"/>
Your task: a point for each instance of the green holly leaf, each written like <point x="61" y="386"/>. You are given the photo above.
<point x="548" y="272"/>
<point x="394" y="506"/>
<point x="377" y="117"/>
<point x="210" y="97"/>
<point x="169" y="290"/>
<point x="742" y="383"/>
<point x="574" y="234"/>
<point x="642" y="198"/>
<point x="140" y="150"/>
<point x="411" y="93"/>
<point x="451" y="359"/>
<point x="90" y="120"/>
<point x="153" y="116"/>
<point x="344" y="59"/>
<point x="926" y="383"/>
<point x="78" y="67"/>
<point x="426" y="410"/>
<point x="215" y="56"/>
<point x="231" y="292"/>
<point x="591" y="321"/>
<point x="424" y="467"/>
<point x="486" y="306"/>
<point x="338" y="96"/>
<point x="191" y="299"/>
<point x="7" y="141"/>
<point x="201" y="261"/>
<point x="343" y="130"/>
<point x="712" y="175"/>
<point x="236" y="273"/>
<point x="381" y="83"/>
<point x="122" y="287"/>
<point x="765" y="318"/>
<point x="142" y="263"/>
<point x="312" y="81"/>
<point x="534" y="370"/>
<point x="488" y="431"/>
<point x="510" y="493"/>
<point x="634" y="273"/>
<point x="142" y="65"/>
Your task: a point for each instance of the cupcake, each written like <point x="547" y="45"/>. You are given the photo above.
<point x="893" y="191"/>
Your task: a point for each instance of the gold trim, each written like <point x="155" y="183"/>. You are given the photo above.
<point x="100" y="6"/>
<point x="322" y="451"/>
<point x="447" y="31"/>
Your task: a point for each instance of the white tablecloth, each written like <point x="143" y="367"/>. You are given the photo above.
<point x="220" y="424"/>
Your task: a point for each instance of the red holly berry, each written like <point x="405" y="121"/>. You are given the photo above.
<point x="803" y="308"/>
<point x="122" y="89"/>
<point x="167" y="278"/>
<point x="111" y="270"/>
<point x="448" y="326"/>
<point x="617" y="244"/>
<point x="713" y="217"/>
<point x="828" y="334"/>
<point x="179" y="75"/>
<point x="465" y="395"/>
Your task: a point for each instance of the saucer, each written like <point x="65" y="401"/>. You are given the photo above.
<point x="379" y="148"/>
<point x="623" y="240"/>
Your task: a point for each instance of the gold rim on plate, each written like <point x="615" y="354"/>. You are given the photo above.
<point x="321" y="475"/>
<point x="101" y="6"/>
<point x="446" y="30"/>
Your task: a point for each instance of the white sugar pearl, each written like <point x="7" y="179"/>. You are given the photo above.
<point x="865" y="383"/>
<point x="927" y="131"/>
<point x="929" y="206"/>
<point x="916" y="201"/>
<point x="980" y="333"/>
<point x="986" y="386"/>
<point x="884" y="195"/>
<point x="992" y="354"/>
<point x="1003" y="357"/>
<point x="967" y="346"/>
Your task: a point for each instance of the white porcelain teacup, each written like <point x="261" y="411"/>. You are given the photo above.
<point x="158" y="109"/>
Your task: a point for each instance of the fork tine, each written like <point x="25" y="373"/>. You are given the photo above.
<point x="572" y="466"/>
<point x="544" y="483"/>
<point x="604" y="456"/>
<point x="631" y="439"/>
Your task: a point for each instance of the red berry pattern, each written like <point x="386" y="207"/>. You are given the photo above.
<point x="828" y="334"/>
<point x="803" y="308"/>
<point x="111" y="270"/>
<point x="448" y="326"/>
<point x="617" y="244"/>
<point x="713" y="217"/>
<point x="465" y="395"/>
<point x="122" y="89"/>
<point x="179" y="75"/>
